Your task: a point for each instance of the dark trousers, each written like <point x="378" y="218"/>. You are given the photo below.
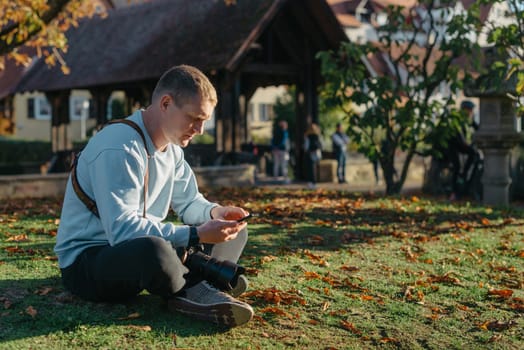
<point x="311" y="171"/>
<point x="454" y="157"/>
<point x="341" y="165"/>
<point x="107" y="273"/>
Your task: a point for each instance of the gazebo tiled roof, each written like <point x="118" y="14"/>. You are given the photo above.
<point x="12" y="74"/>
<point x="140" y="42"/>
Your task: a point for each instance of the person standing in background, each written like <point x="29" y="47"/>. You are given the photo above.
<point x="313" y="149"/>
<point x="280" y="148"/>
<point x="340" y="142"/>
<point x="459" y="144"/>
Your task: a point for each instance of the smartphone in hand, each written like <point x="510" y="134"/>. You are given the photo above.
<point x="245" y="217"/>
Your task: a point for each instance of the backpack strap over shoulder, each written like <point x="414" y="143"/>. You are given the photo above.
<point x="89" y="202"/>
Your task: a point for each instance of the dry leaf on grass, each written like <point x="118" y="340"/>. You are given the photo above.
<point x="131" y="316"/>
<point x="31" y="311"/>
<point x="503" y="293"/>
<point x="497" y="326"/>
<point x="18" y="238"/>
<point x="350" y="327"/>
<point x="44" y="290"/>
<point x="140" y="328"/>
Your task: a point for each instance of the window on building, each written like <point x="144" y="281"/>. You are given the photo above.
<point x="38" y="108"/>
<point x="79" y="105"/>
<point x="265" y="112"/>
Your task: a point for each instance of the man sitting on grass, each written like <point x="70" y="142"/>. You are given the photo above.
<point x="113" y="241"/>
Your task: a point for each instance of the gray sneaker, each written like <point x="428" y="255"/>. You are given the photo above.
<point x="207" y="303"/>
<point x="240" y="287"/>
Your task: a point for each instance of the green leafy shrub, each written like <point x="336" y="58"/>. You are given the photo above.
<point x="19" y="151"/>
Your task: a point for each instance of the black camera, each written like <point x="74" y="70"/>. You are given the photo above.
<point x="221" y="274"/>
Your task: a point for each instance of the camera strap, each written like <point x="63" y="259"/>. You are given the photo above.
<point x="89" y="202"/>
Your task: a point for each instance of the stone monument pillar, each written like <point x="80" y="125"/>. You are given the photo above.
<point x="496" y="137"/>
<point x="497" y="134"/>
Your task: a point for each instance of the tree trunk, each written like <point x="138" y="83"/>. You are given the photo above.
<point x="394" y="182"/>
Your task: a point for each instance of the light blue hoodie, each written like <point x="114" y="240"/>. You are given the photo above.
<point x="111" y="171"/>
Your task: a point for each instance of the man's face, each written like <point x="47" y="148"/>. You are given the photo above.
<point x="182" y="123"/>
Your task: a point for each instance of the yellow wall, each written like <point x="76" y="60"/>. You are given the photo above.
<point x="34" y="129"/>
<point x="262" y="129"/>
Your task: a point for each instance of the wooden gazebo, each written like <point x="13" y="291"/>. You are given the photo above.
<point x="241" y="47"/>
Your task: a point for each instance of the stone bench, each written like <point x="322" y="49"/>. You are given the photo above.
<point x="53" y="185"/>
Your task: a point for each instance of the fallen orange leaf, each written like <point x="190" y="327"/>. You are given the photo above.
<point x="316" y="240"/>
<point x="463" y="307"/>
<point x="350" y="327"/>
<point x="44" y="290"/>
<point x="316" y="290"/>
<point x="494" y="338"/>
<point x="268" y="258"/>
<point x="497" y="325"/>
<point x="311" y="275"/>
<point x="502" y="293"/>
<point x="349" y="268"/>
<point x="7" y="302"/>
<point x="18" y="238"/>
<point x="388" y="340"/>
<point x="326" y="305"/>
<point x="31" y="311"/>
<point x="140" y="328"/>
<point x="14" y="250"/>
<point x="131" y="316"/>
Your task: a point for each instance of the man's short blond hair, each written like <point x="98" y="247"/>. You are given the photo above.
<point x="184" y="82"/>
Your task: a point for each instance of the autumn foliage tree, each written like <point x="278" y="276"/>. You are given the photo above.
<point x="402" y="108"/>
<point x="39" y="26"/>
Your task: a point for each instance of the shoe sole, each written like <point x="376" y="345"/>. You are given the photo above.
<point x="223" y="314"/>
<point x="241" y="287"/>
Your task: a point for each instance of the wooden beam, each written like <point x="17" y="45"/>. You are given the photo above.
<point x="254" y="35"/>
<point x="272" y="69"/>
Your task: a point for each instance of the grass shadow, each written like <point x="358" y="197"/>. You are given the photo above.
<point x="36" y="307"/>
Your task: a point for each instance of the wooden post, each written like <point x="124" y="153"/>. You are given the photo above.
<point x="60" y="140"/>
<point x="100" y="99"/>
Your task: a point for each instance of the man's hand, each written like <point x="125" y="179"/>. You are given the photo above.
<point x="219" y="230"/>
<point x="224" y="226"/>
<point x="228" y="213"/>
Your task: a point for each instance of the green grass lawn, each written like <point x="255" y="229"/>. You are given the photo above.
<point x="328" y="270"/>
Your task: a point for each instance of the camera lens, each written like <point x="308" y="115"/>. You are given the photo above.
<point x="221" y="274"/>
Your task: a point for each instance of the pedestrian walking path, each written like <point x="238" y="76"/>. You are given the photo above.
<point x="359" y="175"/>
<point x="364" y="187"/>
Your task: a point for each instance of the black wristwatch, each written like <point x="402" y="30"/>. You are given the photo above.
<point x="194" y="239"/>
